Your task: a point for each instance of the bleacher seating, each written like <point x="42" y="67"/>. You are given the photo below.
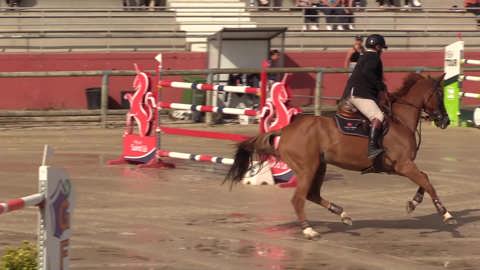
<point x="71" y="25"/>
<point x="67" y="25"/>
<point x="425" y="29"/>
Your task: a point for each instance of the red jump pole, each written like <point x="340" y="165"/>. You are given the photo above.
<point x="203" y="134"/>
<point x="263" y="83"/>
<point x="263" y="91"/>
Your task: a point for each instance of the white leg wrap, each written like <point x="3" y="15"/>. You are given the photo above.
<point x="346" y="219"/>
<point x="310" y="233"/>
<point x="447" y="216"/>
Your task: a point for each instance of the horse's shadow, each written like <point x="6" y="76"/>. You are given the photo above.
<point x="428" y="224"/>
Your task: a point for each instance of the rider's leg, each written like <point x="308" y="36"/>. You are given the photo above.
<point x="371" y="110"/>
<point x="376" y="132"/>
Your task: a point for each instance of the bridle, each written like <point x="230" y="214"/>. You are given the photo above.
<point x="436" y="115"/>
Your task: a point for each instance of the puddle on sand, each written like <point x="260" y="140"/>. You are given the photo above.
<point x="262" y="255"/>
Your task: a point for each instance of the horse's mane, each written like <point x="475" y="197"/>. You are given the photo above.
<point x="388" y="98"/>
<point x="408" y="82"/>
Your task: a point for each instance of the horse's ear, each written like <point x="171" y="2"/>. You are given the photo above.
<point x="440" y="79"/>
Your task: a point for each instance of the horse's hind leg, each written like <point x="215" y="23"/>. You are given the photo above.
<point x="410" y="170"/>
<point x="417" y="199"/>
<point x="305" y="175"/>
<point x="314" y="196"/>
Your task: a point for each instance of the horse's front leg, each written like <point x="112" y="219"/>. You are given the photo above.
<point x="417" y="199"/>
<point x="410" y="170"/>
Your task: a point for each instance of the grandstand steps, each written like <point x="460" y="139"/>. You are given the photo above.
<point x="370" y="21"/>
<point x="73" y="3"/>
<point x="59" y="30"/>
<point x="325" y="40"/>
<point x="426" y="3"/>
<point x="404" y="30"/>
<point x="91" y="43"/>
<point x="373" y="4"/>
<point x="105" y="25"/>
<point x="415" y="21"/>
<point x="36" y="21"/>
<point x="191" y="18"/>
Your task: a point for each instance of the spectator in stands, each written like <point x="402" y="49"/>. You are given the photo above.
<point x="157" y="4"/>
<point x="310" y="13"/>
<point x="408" y="3"/>
<point x="412" y="3"/>
<point x="235" y="79"/>
<point x="350" y="18"/>
<point x="142" y="4"/>
<point x="13" y="3"/>
<point x="273" y="4"/>
<point x="263" y="3"/>
<point x="473" y="6"/>
<point x="130" y="4"/>
<point x="273" y="61"/>
<point x="335" y="15"/>
<point x="389" y="3"/>
<point x="354" y="53"/>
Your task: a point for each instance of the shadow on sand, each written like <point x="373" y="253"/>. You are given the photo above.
<point x="427" y="224"/>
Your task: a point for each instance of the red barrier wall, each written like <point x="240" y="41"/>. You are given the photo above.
<point x="68" y="93"/>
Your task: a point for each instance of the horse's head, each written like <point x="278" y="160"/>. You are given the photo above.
<point x="424" y="94"/>
<point x="433" y="102"/>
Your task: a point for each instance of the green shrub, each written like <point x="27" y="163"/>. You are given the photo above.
<point x="189" y="95"/>
<point x="21" y="258"/>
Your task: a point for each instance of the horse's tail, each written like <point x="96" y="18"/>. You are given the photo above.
<point x="261" y="145"/>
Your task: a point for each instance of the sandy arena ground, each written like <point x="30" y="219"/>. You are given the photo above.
<point x="128" y="218"/>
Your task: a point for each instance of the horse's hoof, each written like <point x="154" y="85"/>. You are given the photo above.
<point x="310" y="233"/>
<point x="346" y="219"/>
<point x="410" y="207"/>
<point x="449" y="219"/>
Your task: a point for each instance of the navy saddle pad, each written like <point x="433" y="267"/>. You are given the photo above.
<point x="352" y="126"/>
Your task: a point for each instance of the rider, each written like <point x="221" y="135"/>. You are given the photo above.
<point x="363" y="87"/>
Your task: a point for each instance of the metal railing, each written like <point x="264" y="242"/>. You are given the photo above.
<point x="318" y="72"/>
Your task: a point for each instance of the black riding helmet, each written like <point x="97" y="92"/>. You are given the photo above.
<point x="374" y="40"/>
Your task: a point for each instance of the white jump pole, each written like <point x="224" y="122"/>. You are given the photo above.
<point x="470" y="62"/>
<point x="470" y="78"/>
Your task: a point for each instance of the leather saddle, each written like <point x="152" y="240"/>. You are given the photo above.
<point x="350" y="121"/>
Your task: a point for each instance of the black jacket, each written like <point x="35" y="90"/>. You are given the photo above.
<point x="366" y="80"/>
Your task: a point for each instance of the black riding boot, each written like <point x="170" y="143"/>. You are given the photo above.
<point x="375" y="133"/>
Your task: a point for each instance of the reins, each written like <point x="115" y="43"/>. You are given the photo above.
<point x="398" y="100"/>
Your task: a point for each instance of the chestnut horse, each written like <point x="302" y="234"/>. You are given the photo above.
<point x="309" y="143"/>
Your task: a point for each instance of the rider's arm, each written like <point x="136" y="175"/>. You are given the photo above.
<point x="369" y="70"/>
<point x="346" y="63"/>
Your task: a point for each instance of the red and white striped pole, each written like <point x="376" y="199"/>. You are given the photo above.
<point x="206" y="108"/>
<point x="195" y="157"/>
<point x="19" y="203"/>
<point x="211" y="87"/>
